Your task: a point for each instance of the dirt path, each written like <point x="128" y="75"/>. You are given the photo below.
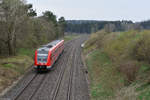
<point x="66" y="81"/>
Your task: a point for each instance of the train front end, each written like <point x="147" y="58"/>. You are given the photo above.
<point x="42" y="59"/>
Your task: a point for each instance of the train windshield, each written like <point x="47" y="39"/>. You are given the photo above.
<point x="42" y="56"/>
<point x="42" y="52"/>
<point x="42" y="59"/>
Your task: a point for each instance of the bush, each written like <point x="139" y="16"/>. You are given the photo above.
<point x="120" y="45"/>
<point x="129" y="69"/>
<point x="92" y="40"/>
<point x="141" y="50"/>
<point x="95" y="41"/>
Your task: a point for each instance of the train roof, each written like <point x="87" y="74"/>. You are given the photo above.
<point x="50" y="45"/>
<point x="54" y="42"/>
<point x="44" y="48"/>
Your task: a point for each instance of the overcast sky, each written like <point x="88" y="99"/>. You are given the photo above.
<point x="135" y="10"/>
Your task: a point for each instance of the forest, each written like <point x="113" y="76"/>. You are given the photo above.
<point x="90" y="26"/>
<point x="20" y="27"/>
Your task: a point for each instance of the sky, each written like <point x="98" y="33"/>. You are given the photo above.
<point x="111" y="10"/>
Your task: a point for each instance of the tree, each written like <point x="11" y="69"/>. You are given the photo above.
<point x="49" y="16"/>
<point x="19" y="28"/>
<point x="30" y="10"/>
<point x="110" y="28"/>
<point x="62" y="24"/>
<point x="15" y="13"/>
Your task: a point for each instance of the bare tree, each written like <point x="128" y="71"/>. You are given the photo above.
<point x="19" y="28"/>
<point x="14" y="14"/>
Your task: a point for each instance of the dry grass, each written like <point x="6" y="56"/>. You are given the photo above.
<point x="126" y="93"/>
<point x="12" y="68"/>
<point x="130" y="70"/>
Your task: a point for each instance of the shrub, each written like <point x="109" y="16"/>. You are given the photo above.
<point x="96" y="38"/>
<point x="92" y="40"/>
<point x="129" y="70"/>
<point x="141" y="50"/>
<point x="95" y="41"/>
<point x="120" y="45"/>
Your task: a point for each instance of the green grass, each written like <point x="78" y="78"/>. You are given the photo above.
<point x="144" y="92"/>
<point x="8" y="65"/>
<point x="17" y="63"/>
<point x="102" y="75"/>
<point x="27" y="52"/>
<point x="15" y="67"/>
<point x="69" y="37"/>
<point x="144" y="89"/>
<point x="144" y="67"/>
<point x="12" y="68"/>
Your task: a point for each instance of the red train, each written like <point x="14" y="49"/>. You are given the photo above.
<point x="46" y="56"/>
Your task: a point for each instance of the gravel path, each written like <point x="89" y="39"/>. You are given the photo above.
<point x="65" y="81"/>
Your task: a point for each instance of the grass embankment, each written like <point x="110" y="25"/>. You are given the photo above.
<point x="11" y="68"/>
<point x="119" y="65"/>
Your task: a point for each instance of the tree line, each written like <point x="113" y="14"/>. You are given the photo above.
<point x="90" y="26"/>
<point x="145" y="24"/>
<point x="21" y="28"/>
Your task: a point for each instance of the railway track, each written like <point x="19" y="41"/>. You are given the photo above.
<point x="18" y="96"/>
<point x="59" y="84"/>
<point x="38" y="86"/>
<point x="59" y="80"/>
<point x="72" y="65"/>
<point x="71" y="78"/>
<point x="27" y="85"/>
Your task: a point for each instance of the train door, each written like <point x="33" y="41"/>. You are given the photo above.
<point x="56" y="54"/>
<point x="52" y="58"/>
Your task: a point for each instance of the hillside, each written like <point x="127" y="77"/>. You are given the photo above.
<point x="118" y="65"/>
